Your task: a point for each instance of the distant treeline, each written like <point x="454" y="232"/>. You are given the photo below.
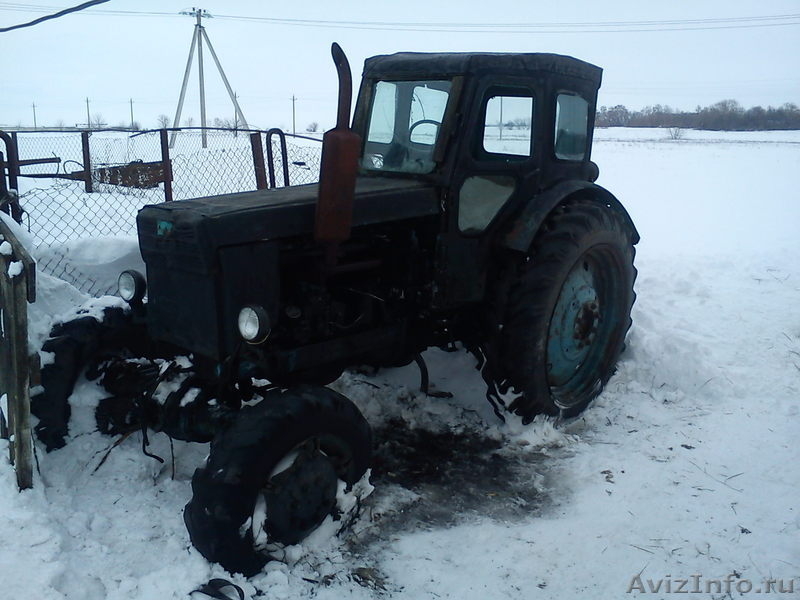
<point x="726" y="115"/>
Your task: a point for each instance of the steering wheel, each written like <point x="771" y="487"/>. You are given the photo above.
<point x="423" y="122"/>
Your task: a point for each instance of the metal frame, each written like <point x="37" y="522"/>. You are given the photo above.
<point x="271" y="158"/>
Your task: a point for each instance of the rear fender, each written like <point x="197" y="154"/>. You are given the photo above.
<point x="521" y="231"/>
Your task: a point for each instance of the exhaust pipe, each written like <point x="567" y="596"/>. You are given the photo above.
<point x="341" y="147"/>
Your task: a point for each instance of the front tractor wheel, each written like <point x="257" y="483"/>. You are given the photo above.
<point x="273" y="475"/>
<point x="569" y="310"/>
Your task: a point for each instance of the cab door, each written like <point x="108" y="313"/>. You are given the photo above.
<point x="496" y="167"/>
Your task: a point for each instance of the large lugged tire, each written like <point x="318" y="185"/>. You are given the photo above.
<point x="281" y="458"/>
<point x="568" y="310"/>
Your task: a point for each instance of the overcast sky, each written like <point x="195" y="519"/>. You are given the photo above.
<point x="112" y="58"/>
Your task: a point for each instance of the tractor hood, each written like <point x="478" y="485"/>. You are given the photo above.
<point x="197" y="249"/>
<point x="232" y="219"/>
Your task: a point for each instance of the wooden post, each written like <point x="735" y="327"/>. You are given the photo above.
<point x="19" y="400"/>
<point x="167" y="165"/>
<point x="5" y="355"/>
<point x="15" y="293"/>
<point x="87" y="162"/>
<point x="258" y="161"/>
<point x="16" y="385"/>
<point x="6" y="374"/>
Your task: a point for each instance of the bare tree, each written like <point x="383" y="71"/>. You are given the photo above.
<point x="97" y="121"/>
<point x="163" y="121"/>
<point x="312" y="127"/>
<point x="188" y="122"/>
<point x="675" y="133"/>
<point x="226" y="123"/>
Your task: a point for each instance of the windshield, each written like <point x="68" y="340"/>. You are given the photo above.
<point x="404" y="122"/>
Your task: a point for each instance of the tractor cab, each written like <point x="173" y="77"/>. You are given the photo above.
<point x="491" y="131"/>
<point x="441" y="114"/>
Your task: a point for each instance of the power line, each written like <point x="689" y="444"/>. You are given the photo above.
<point x="719" y="20"/>
<point x="16" y="7"/>
<point x="550" y="31"/>
<point x="641" y="26"/>
<point x="60" y="13"/>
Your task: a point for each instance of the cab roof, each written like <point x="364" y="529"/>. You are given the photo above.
<point x="448" y="64"/>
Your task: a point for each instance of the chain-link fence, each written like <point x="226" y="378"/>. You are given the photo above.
<point x="77" y="185"/>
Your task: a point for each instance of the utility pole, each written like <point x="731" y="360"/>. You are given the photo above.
<point x="198" y="37"/>
<point x="198" y="28"/>
<point x="34" y="114"/>
<point x="294" y="128"/>
<point x="88" y="119"/>
<point x="235" y="118"/>
<point x="501" y="117"/>
<point x="131" y="101"/>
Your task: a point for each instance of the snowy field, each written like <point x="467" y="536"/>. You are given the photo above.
<point x="686" y="468"/>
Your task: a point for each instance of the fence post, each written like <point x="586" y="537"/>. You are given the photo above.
<point x="270" y="160"/>
<point x="166" y="164"/>
<point x="87" y="161"/>
<point x="16" y="291"/>
<point x="13" y="168"/>
<point x="258" y="161"/>
<point x="20" y="392"/>
<point x="12" y="165"/>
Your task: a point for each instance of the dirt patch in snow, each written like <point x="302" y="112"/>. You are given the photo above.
<point x="450" y="477"/>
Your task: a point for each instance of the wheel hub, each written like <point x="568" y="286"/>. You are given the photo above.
<point x="573" y="326"/>
<point x="586" y="325"/>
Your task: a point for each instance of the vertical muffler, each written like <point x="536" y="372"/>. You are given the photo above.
<point x="341" y="147"/>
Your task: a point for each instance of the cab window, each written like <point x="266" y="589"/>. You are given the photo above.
<point x="572" y="123"/>
<point x="507" y="130"/>
<point x="404" y="123"/>
<point x="480" y="199"/>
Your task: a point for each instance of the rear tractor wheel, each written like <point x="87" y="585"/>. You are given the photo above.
<point x="273" y="476"/>
<point x="568" y="310"/>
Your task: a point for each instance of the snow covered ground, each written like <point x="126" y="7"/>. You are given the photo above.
<point x="685" y="468"/>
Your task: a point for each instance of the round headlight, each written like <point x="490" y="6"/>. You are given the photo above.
<point x="132" y="286"/>
<point x="254" y="325"/>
